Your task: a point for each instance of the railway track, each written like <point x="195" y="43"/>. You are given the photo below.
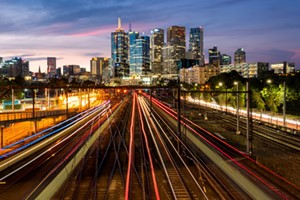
<point x="261" y="173"/>
<point x="141" y="155"/>
<point x="101" y="176"/>
<point x="271" y="134"/>
<point x="27" y="170"/>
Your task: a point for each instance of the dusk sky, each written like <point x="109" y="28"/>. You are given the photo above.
<point x="73" y="31"/>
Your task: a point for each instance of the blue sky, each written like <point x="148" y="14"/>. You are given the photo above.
<point x="74" y="31"/>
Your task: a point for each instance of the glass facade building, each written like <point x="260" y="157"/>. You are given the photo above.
<point x="133" y="36"/>
<point x="139" y="54"/>
<point x="174" y="50"/>
<point x="119" y="52"/>
<point x="196" y="45"/>
<point x="156" y="45"/>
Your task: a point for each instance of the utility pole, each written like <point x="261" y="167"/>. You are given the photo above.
<point x="284" y="104"/>
<point x="237" y="109"/>
<point x="248" y="142"/>
<point x="12" y="100"/>
<point x="178" y="113"/>
<point x="67" y="102"/>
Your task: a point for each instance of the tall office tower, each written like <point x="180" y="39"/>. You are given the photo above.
<point x="156" y="45"/>
<point x="196" y="45"/>
<point x="1" y="60"/>
<point x="25" y="68"/>
<point x="174" y="50"/>
<point x="239" y="56"/>
<point x="225" y="59"/>
<point x="98" y="67"/>
<point x="132" y="36"/>
<point x="119" y="52"/>
<point x="51" y="67"/>
<point x="176" y="38"/>
<point x="143" y="55"/>
<point x="139" y="55"/>
<point x="214" y="56"/>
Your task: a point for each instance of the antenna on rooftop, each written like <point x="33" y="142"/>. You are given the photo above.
<point x="119" y="23"/>
<point x="129" y="26"/>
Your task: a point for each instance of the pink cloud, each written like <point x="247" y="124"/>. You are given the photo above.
<point x="101" y="31"/>
<point x="297" y="54"/>
<point x="142" y="27"/>
<point x="56" y="28"/>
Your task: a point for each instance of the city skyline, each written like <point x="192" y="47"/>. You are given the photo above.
<point x="76" y="31"/>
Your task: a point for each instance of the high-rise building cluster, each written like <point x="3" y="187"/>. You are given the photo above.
<point x="137" y="58"/>
<point x="135" y="55"/>
<point x="14" y="67"/>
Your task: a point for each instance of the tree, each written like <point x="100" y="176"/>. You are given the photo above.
<point x="273" y="97"/>
<point x="257" y="100"/>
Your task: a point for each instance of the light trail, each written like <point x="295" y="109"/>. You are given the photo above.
<point x="179" y="156"/>
<point x="294" y="124"/>
<point x="71" y="122"/>
<point x="148" y="152"/>
<point x="173" y="114"/>
<point x="150" y="121"/>
<point x="45" y="152"/>
<point x="131" y="148"/>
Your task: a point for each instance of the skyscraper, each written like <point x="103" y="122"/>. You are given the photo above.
<point x="176" y="38"/>
<point x="143" y="55"/>
<point x="98" y="64"/>
<point x="239" y="56"/>
<point x="25" y="68"/>
<point x="98" y="67"/>
<point x="119" y="52"/>
<point x="174" y="50"/>
<point x="139" y="54"/>
<point x="133" y="36"/>
<point x="196" y="45"/>
<point x="214" y="56"/>
<point x="51" y="67"/>
<point x="156" y="45"/>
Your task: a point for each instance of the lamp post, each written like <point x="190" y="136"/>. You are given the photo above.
<point x="237" y="109"/>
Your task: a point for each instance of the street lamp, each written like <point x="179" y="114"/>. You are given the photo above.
<point x="237" y="109"/>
